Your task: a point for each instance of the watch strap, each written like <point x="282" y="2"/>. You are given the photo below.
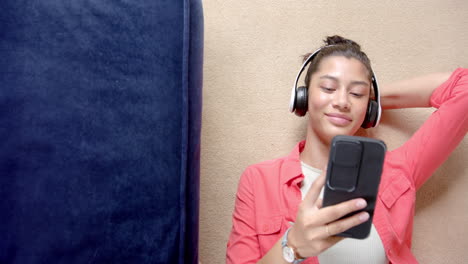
<point x="284" y="243"/>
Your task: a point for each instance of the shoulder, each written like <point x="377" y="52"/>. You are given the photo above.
<point x="267" y="168"/>
<point x="270" y="173"/>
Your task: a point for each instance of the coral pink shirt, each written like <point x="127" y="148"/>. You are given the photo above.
<point x="268" y="195"/>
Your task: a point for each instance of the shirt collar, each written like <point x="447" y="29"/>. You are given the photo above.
<point x="292" y="165"/>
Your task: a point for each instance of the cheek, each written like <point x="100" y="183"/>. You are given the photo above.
<point x="361" y="110"/>
<point x="318" y="100"/>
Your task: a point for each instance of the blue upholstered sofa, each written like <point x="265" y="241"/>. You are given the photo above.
<point x="100" y="119"/>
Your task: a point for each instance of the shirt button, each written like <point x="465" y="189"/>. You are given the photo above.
<point x="265" y="227"/>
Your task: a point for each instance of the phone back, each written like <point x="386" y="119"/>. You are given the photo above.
<point x="354" y="169"/>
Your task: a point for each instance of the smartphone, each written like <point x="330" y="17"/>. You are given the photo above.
<point x="354" y="169"/>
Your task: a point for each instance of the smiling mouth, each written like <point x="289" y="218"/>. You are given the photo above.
<point x="338" y="119"/>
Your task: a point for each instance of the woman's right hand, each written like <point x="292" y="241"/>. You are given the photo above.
<point x="315" y="227"/>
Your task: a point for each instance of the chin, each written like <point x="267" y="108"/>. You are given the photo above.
<point x="327" y="131"/>
<point x="348" y="131"/>
<point x="331" y="133"/>
<point x="338" y="131"/>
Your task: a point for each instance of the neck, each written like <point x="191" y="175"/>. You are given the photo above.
<point x="316" y="151"/>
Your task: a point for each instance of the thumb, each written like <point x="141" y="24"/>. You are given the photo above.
<point x="314" y="191"/>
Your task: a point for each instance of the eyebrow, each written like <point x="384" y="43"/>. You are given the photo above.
<point x="336" y="80"/>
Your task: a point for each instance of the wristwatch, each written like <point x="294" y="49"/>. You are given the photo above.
<point x="288" y="252"/>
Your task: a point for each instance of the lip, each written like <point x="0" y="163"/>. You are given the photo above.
<point x="338" y="119"/>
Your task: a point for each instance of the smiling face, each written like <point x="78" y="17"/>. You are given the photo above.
<point x="338" y="96"/>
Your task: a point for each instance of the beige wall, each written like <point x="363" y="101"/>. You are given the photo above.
<point x="252" y="54"/>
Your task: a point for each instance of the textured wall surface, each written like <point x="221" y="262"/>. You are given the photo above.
<point x="252" y="55"/>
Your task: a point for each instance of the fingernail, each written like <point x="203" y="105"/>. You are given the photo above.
<point x="361" y="203"/>
<point x="364" y="216"/>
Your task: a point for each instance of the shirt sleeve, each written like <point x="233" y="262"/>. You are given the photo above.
<point x="243" y="246"/>
<point x="433" y="142"/>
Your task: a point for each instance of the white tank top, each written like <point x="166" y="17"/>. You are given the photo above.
<point x="348" y="250"/>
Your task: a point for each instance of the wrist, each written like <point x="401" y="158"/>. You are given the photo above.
<point x="289" y="250"/>
<point x="292" y="242"/>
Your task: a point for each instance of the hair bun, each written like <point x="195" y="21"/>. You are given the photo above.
<point x="339" y="40"/>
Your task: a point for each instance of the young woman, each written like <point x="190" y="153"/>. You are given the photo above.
<point x="278" y="217"/>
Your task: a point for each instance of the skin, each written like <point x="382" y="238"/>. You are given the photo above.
<point x="338" y="95"/>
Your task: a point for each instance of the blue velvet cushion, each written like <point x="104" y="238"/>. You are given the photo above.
<point x="100" y="118"/>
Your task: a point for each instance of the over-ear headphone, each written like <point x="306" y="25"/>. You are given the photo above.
<point x="299" y="97"/>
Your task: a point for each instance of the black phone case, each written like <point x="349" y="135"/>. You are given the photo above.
<point x="354" y="169"/>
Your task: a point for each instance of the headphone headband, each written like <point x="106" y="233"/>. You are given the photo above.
<point x="294" y="89"/>
<point x="375" y="112"/>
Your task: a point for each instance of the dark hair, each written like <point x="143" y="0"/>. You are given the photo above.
<point x="337" y="46"/>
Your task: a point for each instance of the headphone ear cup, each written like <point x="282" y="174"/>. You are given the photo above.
<point x="301" y="104"/>
<point x="371" y="116"/>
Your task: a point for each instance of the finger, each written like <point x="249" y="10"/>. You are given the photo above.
<point x="330" y="241"/>
<point x="326" y="243"/>
<point x="315" y="247"/>
<point x="334" y="239"/>
<point x="319" y="203"/>
<point x="314" y="191"/>
<point x="342" y="225"/>
<point x="332" y="213"/>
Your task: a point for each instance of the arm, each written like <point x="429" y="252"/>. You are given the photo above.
<point x="308" y="235"/>
<point x="433" y="142"/>
<point x="243" y="244"/>
<point x="414" y="92"/>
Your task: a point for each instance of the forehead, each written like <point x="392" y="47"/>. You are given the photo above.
<point x="343" y="67"/>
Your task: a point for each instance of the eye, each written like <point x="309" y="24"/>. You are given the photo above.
<point x="327" y="89"/>
<point x="357" y="95"/>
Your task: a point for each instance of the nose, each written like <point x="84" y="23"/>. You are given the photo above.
<point x="341" y="100"/>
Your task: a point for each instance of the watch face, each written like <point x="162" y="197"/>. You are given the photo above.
<point x="288" y="254"/>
